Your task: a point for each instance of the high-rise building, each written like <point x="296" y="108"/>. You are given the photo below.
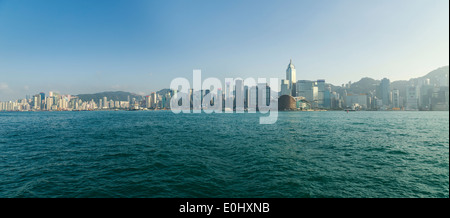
<point x="228" y="91"/>
<point x="396" y="98"/>
<point x="263" y="92"/>
<point x="309" y="90"/>
<point x="252" y="98"/>
<point x="440" y="99"/>
<point x="327" y="97"/>
<point x="385" y="89"/>
<point x="42" y="100"/>
<point x="320" y="92"/>
<point x="239" y="98"/>
<point x="153" y="100"/>
<point x="426" y="95"/>
<point x="285" y="90"/>
<point x="291" y="78"/>
<point x="412" y="98"/>
<point x="37" y="102"/>
<point x="49" y="103"/>
<point x="105" y="102"/>
<point x="148" y="103"/>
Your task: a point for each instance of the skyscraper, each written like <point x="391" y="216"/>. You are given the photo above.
<point x="105" y="102"/>
<point x="327" y="97"/>
<point x="412" y="98"/>
<point x="395" y="98"/>
<point x="385" y="89"/>
<point x="320" y="92"/>
<point x="36" y="102"/>
<point x="148" y="102"/>
<point x="42" y="100"/>
<point x="291" y="77"/>
<point x="285" y="90"/>
<point x="153" y="100"/>
<point x="309" y="90"/>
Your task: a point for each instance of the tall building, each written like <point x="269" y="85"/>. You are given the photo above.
<point x="309" y="90"/>
<point x="228" y="98"/>
<point x="105" y="102"/>
<point x="49" y="103"/>
<point x="239" y="98"/>
<point x="426" y="95"/>
<point x="396" y="98"/>
<point x="148" y="103"/>
<point x="385" y="89"/>
<point x="37" y="102"/>
<point x="412" y="98"/>
<point x="42" y="100"/>
<point x="320" y="92"/>
<point x="291" y="77"/>
<point x="440" y="99"/>
<point x="327" y="97"/>
<point x="252" y="98"/>
<point x="285" y="90"/>
<point x="260" y="89"/>
<point x="111" y="104"/>
<point x="153" y="100"/>
<point x="191" y="96"/>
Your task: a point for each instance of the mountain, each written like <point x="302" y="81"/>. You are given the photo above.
<point x="163" y="92"/>
<point x="115" y="96"/>
<point x="438" y="77"/>
<point x="365" y="85"/>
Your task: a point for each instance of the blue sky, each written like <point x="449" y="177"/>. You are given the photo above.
<point x="88" y="46"/>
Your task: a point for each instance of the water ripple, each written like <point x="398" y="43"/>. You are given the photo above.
<point x="160" y="154"/>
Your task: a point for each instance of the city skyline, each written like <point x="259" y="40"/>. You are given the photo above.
<point x="430" y="92"/>
<point x="5" y="89"/>
<point x="88" y="47"/>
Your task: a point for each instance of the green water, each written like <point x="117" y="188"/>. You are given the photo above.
<point x="161" y="154"/>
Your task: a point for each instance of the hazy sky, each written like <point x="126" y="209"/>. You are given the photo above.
<point x="87" y="46"/>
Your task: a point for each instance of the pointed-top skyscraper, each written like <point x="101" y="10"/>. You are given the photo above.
<point x="291" y="77"/>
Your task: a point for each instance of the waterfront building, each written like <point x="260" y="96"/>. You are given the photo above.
<point x="384" y="90"/>
<point x="356" y="101"/>
<point x="291" y="78"/>
<point x="440" y="99"/>
<point x="252" y="98"/>
<point x="287" y="103"/>
<point x="42" y="100"/>
<point x="153" y="100"/>
<point x="105" y="102"/>
<point x="412" y="98"/>
<point x="327" y="98"/>
<point x="309" y="90"/>
<point x="148" y="103"/>
<point x="49" y="103"/>
<point x="320" y="92"/>
<point x="239" y="100"/>
<point x="285" y="90"/>
<point x="396" y="99"/>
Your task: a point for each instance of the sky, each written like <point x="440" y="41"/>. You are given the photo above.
<point x="88" y="46"/>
